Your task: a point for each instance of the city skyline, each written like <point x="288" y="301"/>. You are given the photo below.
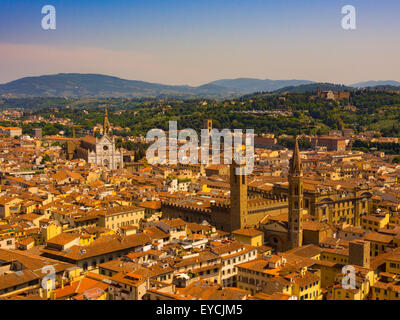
<point x="207" y="156"/>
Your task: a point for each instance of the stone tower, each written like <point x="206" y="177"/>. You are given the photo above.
<point x="207" y="124"/>
<point x="319" y="91"/>
<point x="106" y="125"/>
<point x="295" y="222"/>
<point x="359" y="253"/>
<point x="238" y="185"/>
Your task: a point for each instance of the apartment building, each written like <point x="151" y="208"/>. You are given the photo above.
<point x="232" y="253"/>
<point x="115" y="217"/>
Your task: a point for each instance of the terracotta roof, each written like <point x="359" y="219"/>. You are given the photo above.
<point x="249" y="232"/>
<point x="378" y="237"/>
<point x="104" y="245"/>
<point x="63" y="238"/>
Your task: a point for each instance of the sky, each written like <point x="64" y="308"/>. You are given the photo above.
<point x="197" y="41"/>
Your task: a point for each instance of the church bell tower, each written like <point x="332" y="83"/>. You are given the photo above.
<point x="295" y="223"/>
<point x="106" y="125"/>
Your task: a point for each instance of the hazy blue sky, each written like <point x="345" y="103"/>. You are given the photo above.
<point x="197" y="41"/>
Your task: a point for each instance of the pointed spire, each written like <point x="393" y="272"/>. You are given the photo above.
<point x="106" y="125"/>
<point x="295" y="166"/>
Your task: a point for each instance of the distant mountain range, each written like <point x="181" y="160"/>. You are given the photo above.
<point x="76" y="85"/>
<point x="373" y="83"/>
<point x="250" y="85"/>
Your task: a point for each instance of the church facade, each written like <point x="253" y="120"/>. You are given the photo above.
<point x="104" y="153"/>
<point x="100" y="151"/>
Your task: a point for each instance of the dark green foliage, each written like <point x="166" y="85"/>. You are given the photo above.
<point x="291" y="114"/>
<point x="367" y="146"/>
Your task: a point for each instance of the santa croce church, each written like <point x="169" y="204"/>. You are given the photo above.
<point x="100" y="151"/>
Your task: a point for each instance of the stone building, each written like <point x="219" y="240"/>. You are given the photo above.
<point x="329" y="142"/>
<point x="326" y="203"/>
<point x="335" y="204"/>
<point x="100" y="151"/>
<point x="286" y="231"/>
<point x="241" y="209"/>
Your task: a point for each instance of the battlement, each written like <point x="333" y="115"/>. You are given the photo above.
<point x="225" y="205"/>
<point x="255" y="191"/>
<point x="259" y="203"/>
<point x="253" y="203"/>
<point x="185" y="207"/>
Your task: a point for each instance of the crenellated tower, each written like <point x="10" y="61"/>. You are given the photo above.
<point x="238" y="186"/>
